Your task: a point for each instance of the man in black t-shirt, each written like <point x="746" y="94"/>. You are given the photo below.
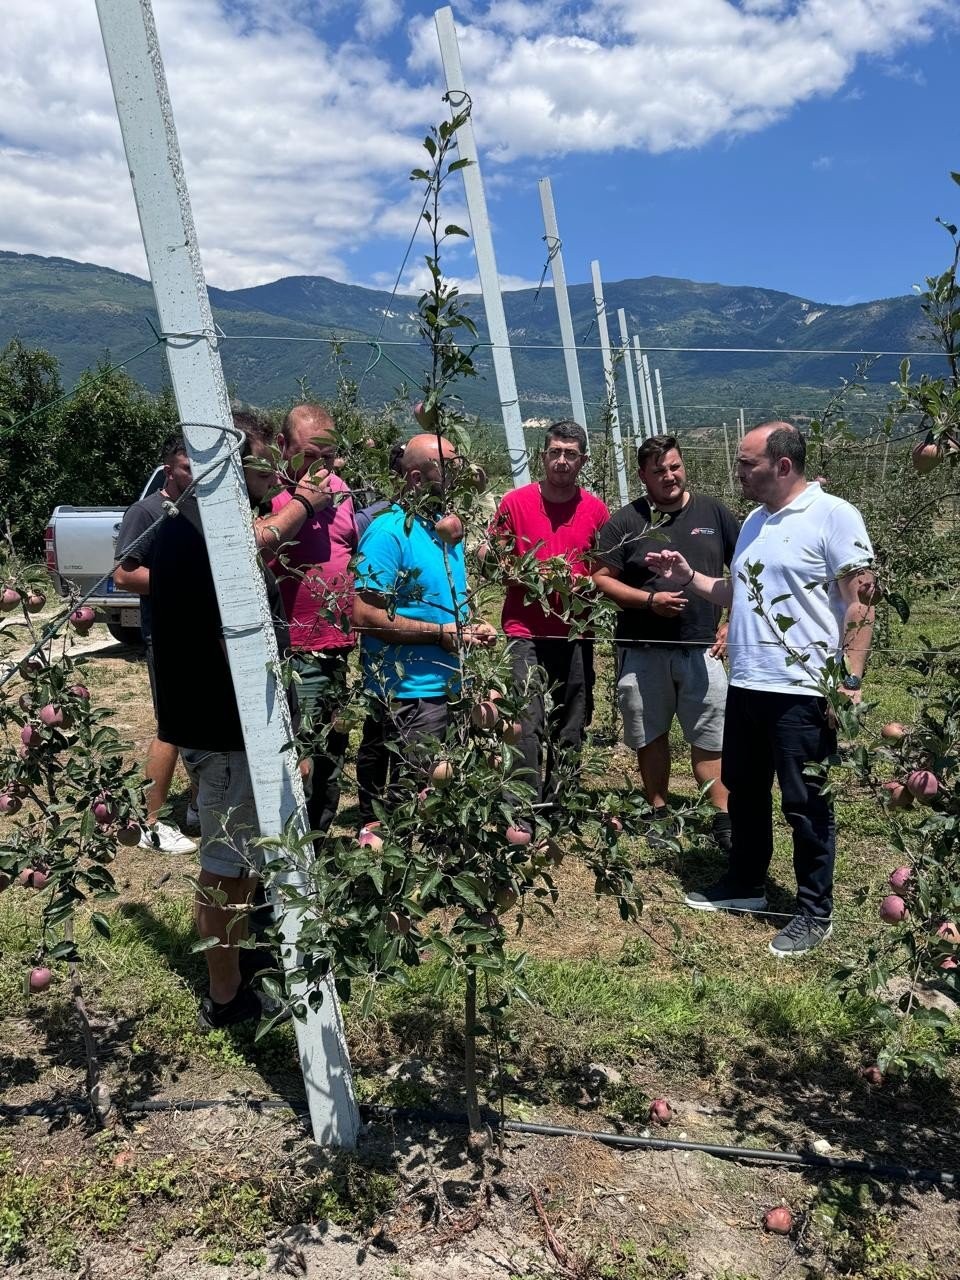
<point x="134" y="552"/>
<point x="197" y="713"/>
<point x="672" y="644"/>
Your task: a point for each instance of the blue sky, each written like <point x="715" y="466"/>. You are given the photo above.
<point x="802" y="145"/>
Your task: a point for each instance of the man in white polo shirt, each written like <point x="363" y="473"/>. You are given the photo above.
<point x="807" y="555"/>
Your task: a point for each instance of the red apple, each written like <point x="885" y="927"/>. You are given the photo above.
<point x="893" y="909"/>
<point x="872" y="1075"/>
<point x="900" y="877"/>
<point x="104" y="810"/>
<point x="613" y="822"/>
<point x="35" y="601"/>
<point x="30" y="736"/>
<point x="484" y="715"/>
<point x="54" y="717"/>
<point x="441" y="773"/>
<point x="33" y="878"/>
<point x="80" y="691"/>
<point x="31" y="667"/>
<point x="893" y="731"/>
<point x="478" y="477"/>
<point x="512" y="733"/>
<point x="9" y="599"/>
<point x="82" y="619"/>
<point x="660" y="1111"/>
<point x="779" y="1221"/>
<point x="25" y="703"/>
<point x="449" y="529"/>
<point x="923" y="784"/>
<point x="925" y="457"/>
<point x="426" y="418"/>
<point x="518" y="835"/>
<point x="898" y="797"/>
<point x="369" y="839"/>
<point x="949" y="931"/>
<point x="10" y="804"/>
<point x="40" y="979"/>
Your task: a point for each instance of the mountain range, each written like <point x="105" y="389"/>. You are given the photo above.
<point x="81" y="312"/>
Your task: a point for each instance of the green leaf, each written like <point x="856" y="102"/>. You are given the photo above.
<point x="458" y="164"/>
<point x="205" y="944"/>
<point x="453" y="230"/>
<point x="784" y="622"/>
<point x="101" y="924"/>
<point x="955" y="177"/>
<point x="900" y="606"/>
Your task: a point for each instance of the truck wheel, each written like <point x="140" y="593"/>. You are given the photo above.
<point x="131" y="636"/>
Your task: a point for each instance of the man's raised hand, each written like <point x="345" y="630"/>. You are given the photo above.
<point x="669" y="565"/>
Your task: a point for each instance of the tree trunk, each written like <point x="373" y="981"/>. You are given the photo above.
<point x="470" y="1060"/>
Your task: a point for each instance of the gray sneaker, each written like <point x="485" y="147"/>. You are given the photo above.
<point x="727" y="896"/>
<point x="800" y="935"/>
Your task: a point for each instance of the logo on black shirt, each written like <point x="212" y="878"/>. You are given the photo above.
<point x="694" y="532"/>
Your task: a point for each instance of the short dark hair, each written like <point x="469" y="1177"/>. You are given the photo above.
<point x="173" y="445"/>
<point x="787" y="442"/>
<point x="655" y="448"/>
<point x="255" y="426"/>
<point x="567" y="429"/>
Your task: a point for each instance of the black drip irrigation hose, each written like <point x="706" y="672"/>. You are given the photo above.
<point x="626" y="1141"/>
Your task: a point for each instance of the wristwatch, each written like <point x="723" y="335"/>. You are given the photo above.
<point x="852" y="682"/>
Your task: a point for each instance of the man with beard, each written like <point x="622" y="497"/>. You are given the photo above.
<point x="671" y="643"/>
<point x="801" y="595"/>
<point x="553" y="518"/>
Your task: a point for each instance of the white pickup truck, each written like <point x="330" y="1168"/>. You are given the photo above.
<point x="80" y="547"/>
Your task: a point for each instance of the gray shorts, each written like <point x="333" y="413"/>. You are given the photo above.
<point x="228" y="817"/>
<point x="658" y="683"/>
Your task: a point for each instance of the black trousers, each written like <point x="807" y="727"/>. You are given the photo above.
<point x="767" y="734"/>
<point x="322" y="694"/>
<point x="550" y="742"/>
<point x="392" y="750"/>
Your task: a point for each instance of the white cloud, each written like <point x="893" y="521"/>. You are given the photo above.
<point x="299" y="128"/>
<point x="822" y="163"/>
<point x="378" y="16"/>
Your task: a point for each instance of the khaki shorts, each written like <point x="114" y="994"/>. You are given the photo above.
<point x="657" y="683"/>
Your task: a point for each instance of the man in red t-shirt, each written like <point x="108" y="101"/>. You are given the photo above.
<point x="316" y="585"/>
<point x="552" y="517"/>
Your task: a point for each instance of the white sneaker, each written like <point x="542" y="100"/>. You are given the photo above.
<point x="163" y="837"/>
<point x="192" y="820"/>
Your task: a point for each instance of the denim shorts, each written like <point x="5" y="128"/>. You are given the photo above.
<point x="659" y="682"/>
<point x="228" y="817"/>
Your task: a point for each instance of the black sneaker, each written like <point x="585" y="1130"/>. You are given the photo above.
<point x="800" y="935"/>
<point x="722" y="832"/>
<point x="727" y="896"/>
<point x="668" y="834"/>
<point x="244" y="1007"/>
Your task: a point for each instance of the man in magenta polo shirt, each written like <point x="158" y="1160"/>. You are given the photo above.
<point x="317" y="590"/>
<point x="552" y="517"/>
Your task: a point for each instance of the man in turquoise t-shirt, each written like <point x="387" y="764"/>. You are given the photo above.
<point x="411" y="591"/>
